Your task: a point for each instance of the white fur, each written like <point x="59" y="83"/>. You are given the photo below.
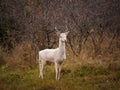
<point x="57" y="56"/>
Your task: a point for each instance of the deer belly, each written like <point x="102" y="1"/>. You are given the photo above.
<point x="49" y="57"/>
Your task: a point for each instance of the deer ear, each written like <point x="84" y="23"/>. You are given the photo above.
<point x="58" y="33"/>
<point x="67" y="32"/>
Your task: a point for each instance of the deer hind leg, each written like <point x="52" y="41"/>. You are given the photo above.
<point x="41" y="66"/>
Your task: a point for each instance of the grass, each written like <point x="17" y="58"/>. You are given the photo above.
<point x="84" y="77"/>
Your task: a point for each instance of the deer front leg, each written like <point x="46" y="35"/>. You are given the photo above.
<point x="59" y="70"/>
<point x="56" y="70"/>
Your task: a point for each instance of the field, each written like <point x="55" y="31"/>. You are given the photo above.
<point x="74" y="76"/>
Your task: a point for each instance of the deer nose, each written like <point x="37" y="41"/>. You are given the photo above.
<point x="66" y="40"/>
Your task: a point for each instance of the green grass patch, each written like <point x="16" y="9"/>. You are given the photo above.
<point x="90" y="71"/>
<point x="80" y="78"/>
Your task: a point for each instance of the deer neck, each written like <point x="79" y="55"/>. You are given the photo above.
<point x="62" y="48"/>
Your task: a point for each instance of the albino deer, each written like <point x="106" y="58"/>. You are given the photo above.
<point x="57" y="56"/>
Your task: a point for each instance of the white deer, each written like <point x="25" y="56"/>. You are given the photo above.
<point x="57" y="56"/>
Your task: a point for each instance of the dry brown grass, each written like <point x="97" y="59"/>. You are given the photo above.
<point x="22" y="56"/>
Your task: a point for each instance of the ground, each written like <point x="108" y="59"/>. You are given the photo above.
<point x="85" y="77"/>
